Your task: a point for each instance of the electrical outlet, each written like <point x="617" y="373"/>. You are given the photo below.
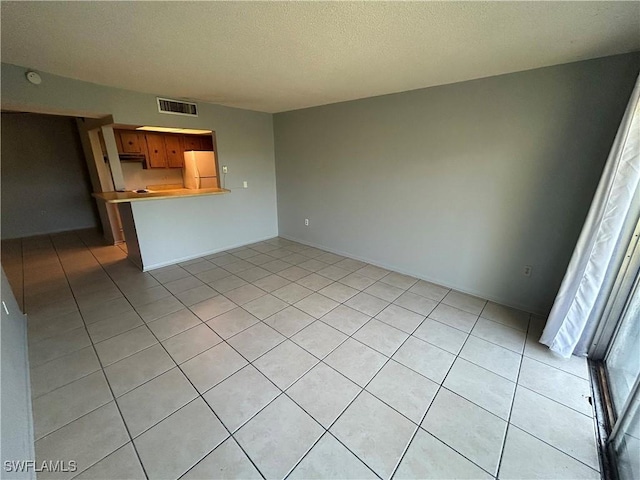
<point x="527" y="270"/>
<point x="225" y="169"/>
<point x="245" y="184"/>
<point x="306" y="222"/>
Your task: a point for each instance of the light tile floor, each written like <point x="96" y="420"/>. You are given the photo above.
<point x="280" y="360"/>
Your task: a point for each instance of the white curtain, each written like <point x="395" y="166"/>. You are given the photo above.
<point x="593" y="266"/>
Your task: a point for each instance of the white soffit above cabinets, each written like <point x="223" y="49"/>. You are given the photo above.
<point x="278" y="56"/>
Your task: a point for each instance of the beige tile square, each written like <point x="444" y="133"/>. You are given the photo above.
<point x="255" y="341"/>
<point x="367" y="304"/>
<point x="373" y="272"/>
<point x="338" y="292"/>
<point x="155" y="400"/>
<point x="499" y="334"/>
<point x="381" y="337"/>
<point x="357" y="281"/>
<point x="289" y="321"/>
<point x="124" y="345"/>
<point x="400" y="318"/>
<point x="482" y="387"/>
<point x="467" y="428"/>
<point x="232" y="322"/>
<point x="416" y="303"/>
<point x="173" y="324"/>
<point x="265" y="306"/>
<point x="330" y="459"/>
<point x="314" y="281"/>
<point x="316" y="305"/>
<point x="567" y="389"/>
<point x="139" y="298"/>
<point x="356" y="361"/>
<point x="441" y="335"/>
<point x="63" y="370"/>
<point x="141" y="367"/>
<point x="522" y="454"/>
<point x="191" y="342"/>
<point x="507" y="316"/>
<point x="239" y="397"/>
<point x="399" y="280"/>
<point x="323" y="393"/>
<point x="212" y="366"/>
<point x="226" y="461"/>
<point x="278" y="437"/>
<point x="384" y="291"/>
<point x="560" y="426"/>
<point x="333" y="272"/>
<point x="285" y="364"/>
<point x="244" y="294"/>
<point x="499" y="360"/>
<point x="292" y="293"/>
<point x="454" y="317"/>
<point x="65" y="404"/>
<point x="159" y="308"/>
<point x="196" y="295"/>
<point x="294" y="273"/>
<point x="254" y="273"/>
<point x="58" y="346"/>
<point x="123" y="463"/>
<point x="213" y="275"/>
<point x="403" y="389"/>
<point x="173" y="446"/>
<point x="213" y="307"/>
<point x="345" y="319"/>
<point x="227" y="283"/>
<point x="113" y="326"/>
<point x="429" y="290"/>
<point x="465" y="302"/>
<point x="183" y="284"/>
<point x="319" y="338"/>
<point x="424" y="358"/>
<point x="429" y="458"/>
<point x="271" y="283"/>
<point x="374" y="432"/>
<point x="78" y="440"/>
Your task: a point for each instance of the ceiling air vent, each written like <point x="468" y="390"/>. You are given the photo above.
<point x="176" y="107"/>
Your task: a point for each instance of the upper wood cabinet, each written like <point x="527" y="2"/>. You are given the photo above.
<point x="130" y="141"/>
<point x="197" y="142"/>
<point x="161" y="150"/>
<point x="157" y="151"/>
<point x="174" y="151"/>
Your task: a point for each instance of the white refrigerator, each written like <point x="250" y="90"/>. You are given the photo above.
<point x="200" y="169"/>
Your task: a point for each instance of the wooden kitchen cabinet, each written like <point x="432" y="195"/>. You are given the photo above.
<point x="174" y="151"/>
<point x="157" y="152"/>
<point x="165" y="151"/>
<point x="130" y="142"/>
<point x="197" y="142"/>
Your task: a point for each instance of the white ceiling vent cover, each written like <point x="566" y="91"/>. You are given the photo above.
<point x="176" y="107"/>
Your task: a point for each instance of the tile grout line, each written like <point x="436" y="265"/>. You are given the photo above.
<point x="440" y="387"/>
<point x="103" y="375"/>
<point x="199" y="396"/>
<point x="322" y="359"/>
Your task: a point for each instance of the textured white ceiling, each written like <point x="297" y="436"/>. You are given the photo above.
<point x="278" y="56"/>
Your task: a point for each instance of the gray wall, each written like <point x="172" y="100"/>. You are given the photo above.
<point x="244" y="139"/>
<point x="17" y="420"/>
<point x="462" y="184"/>
<point x="45" y="183"/>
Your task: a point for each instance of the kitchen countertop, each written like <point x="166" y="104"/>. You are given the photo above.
<point x="121" y="197"/>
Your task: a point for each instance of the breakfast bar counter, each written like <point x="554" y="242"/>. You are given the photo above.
<point x="134" y="196"/>
<point x="168" y="226"/>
